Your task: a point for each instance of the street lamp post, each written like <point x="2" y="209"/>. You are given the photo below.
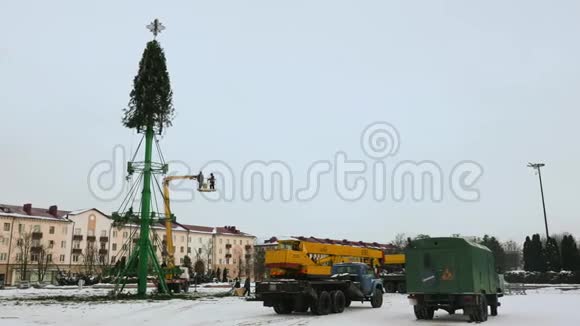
<point x="537" y="167"/>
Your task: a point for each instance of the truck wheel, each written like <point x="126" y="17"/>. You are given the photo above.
<point x="479" y="313"/>
<point x="321" y="306"/>
<point x="390" y="287"/>
<point x="377" y="299"/>
<point x="338" y="301"/>
<point x="401" y="288"/>
<point x="493" y="305"/>
<point x="283" y="308"/>
<point x="347" y="302"/>
<point x="422" y="312"/>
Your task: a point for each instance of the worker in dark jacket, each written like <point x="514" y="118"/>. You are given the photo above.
<point x="211" y="182"/>
<point x="199" y="180"/>
<point x="247" y="287"/>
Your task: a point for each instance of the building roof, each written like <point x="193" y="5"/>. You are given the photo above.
<point x="231" y="230"/>
<point x="198" y="228"/>
<point x="34" y="212"/>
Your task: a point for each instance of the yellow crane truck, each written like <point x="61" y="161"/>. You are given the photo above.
<point x="323" y="276"/>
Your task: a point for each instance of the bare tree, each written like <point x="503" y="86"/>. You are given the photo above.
<point x="90" y="259"/>
<point x="400" y="241"/>
<point x="44" y="260"/>
<point x="24" y="244"/>
<point x="259" y="263"/>
<point x="207" y="251"/>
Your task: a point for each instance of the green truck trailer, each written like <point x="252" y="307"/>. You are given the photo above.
<point x="452" y="274"/>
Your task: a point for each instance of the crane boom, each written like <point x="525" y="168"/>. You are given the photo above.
<point x="311" y="259"/>
<point x="168" y="217"/>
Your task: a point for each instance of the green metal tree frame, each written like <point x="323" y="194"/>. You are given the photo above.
<point x="144" y="254"/>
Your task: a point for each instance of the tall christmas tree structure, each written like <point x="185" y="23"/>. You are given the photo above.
<point x="150" y="110"/>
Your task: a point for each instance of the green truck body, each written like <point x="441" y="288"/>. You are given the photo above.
<point x="451" y="274"/>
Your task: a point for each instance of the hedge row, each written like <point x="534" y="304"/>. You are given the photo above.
<point x="564" y="277"/>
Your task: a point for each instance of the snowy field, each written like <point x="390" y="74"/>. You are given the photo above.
<point x="544" y="306"/>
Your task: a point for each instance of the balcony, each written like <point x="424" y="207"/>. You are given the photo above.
<point x="228" y="246"/>
<point x="78" y="237"/>
<point x="248" y="247"/>
<point x="36" y="235"/>
<point x="91" y="238"/>
<point x="248" y="256"/>
<point x="103" y="251"/>
<point x="36" y="249"/>
<point x="135" y="240"/>
<point x="77" y="251"/>
<point x="228" y="256"/>
<point x="104" y="239"/>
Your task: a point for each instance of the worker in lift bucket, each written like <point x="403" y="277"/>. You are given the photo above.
<point x="199" y="180"/>
<point x="211" y="182"/>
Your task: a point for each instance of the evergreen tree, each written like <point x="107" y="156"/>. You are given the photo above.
<point x="527" y="257"/>
<point x="151" y="97"/>
<point x="570" y="254"/>
<point x="498" y="252"/>
<point x="537" y="256"/>
<point x="552" y="254"/>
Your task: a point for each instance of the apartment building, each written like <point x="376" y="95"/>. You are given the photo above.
<point x="37" y="243"/>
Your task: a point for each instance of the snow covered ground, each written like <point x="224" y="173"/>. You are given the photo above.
<point x="545" y="306"/>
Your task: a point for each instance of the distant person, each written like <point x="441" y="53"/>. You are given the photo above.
<point x="237" y="284"/>
<point x="199" y="180"/>
<point x="247" y="287"/>
<point x="211" y="182"/>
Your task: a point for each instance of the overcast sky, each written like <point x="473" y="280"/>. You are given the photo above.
<point x="494" y="82"/>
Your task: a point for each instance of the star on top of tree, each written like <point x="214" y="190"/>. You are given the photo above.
<point x="155" y="27"/>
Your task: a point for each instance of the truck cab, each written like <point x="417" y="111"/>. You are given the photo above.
<point x="364" y="283"/>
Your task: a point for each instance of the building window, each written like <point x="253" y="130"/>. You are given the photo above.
<point x="51" y="244"/>
<point x="63" y="244"/>
<point x="220" y="261"/>
<point x="199" y="251"/>
<point x="34" y="257"/>
<point x="114" y="247"/>
<point x="75" y="258"/>
<point x="113" y="259"/>
<point x="76" y="245"/>
<point x="181" y="249"/>
<point x="61" y="259"/>
<point x="104" y="233"/>
<point x="78" y="231"/>
<point x="18" y="257"/>
<point x="51" y="230"/>
<point x="181" y="261"/>
<point x="182" y="239"/>
<point x="49" y="258"/>
<point x="125" y="246"/>
<point x="114" y="234"/>
<point x="103" y="245"/>
<point x="64" y="230"/>
<point x="36" y="228"/>
<point x="20" y="228"/>
<point x="91" y="233"/>
<point x="188" y="250"/>
<point x="6" y="226"/>
<point x="3" y="256"/>
<point x="125" y="235"/>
